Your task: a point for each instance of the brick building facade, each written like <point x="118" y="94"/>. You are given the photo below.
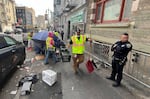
<point x="137" y="25"/>
<point x="106" y="23"/>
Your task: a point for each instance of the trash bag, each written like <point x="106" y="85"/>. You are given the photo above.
<point x="89" y="66"/>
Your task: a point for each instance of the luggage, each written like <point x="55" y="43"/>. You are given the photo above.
<point x="49" y="77"/>
<point x="89" y="66"/>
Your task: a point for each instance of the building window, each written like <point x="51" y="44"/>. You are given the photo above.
<point x="112" y="11"/>
<point x="98" y="13"/>
<point x="127" y="9"/>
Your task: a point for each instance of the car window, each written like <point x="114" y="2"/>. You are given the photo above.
<point x="9" y="41"/>
<point x="3" y="43"/>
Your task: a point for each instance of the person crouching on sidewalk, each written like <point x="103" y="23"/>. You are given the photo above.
<point x="50" y="48"/>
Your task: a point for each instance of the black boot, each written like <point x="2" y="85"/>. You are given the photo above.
<point x="110" y="78"/>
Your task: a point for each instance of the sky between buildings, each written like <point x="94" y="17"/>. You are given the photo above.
<point x="39" y="6"/>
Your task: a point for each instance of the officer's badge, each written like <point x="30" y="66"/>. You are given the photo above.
<point x="128" y="45"/>
<point x="122" y="45"/>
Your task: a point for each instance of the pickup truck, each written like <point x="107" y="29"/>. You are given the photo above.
<point x="12" y="53"/>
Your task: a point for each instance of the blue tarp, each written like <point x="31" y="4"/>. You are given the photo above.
<point x="40" y="36"/>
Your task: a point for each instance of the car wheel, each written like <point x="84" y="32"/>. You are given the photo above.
<point x="21" y="62"/>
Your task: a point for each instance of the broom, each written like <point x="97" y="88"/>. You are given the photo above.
<point x="89" y="63"/>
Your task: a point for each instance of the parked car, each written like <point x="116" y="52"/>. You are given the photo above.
<point x="16" y="34"/>
<point x="12" y="53"/>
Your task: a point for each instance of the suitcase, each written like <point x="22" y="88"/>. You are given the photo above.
<point x="89" y="66"/>
<point x="66" y="56"/>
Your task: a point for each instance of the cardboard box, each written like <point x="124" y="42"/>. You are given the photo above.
<point x="39" y="57"/>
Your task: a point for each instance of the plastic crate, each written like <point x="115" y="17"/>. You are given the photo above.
<point x="66" y="57"/>
<point x="49" y="77"/>
<point x="63" y="48"/>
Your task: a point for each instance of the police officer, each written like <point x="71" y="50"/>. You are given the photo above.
<point x="121" y="50"/>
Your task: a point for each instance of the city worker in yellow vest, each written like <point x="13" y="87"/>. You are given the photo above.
<point x="56" y="33"/>
<point x="77" y="41"/>
<point x="29" y="37"/>
<point x="50" y="48"/>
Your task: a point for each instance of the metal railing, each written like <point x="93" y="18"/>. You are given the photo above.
<point x="137" y="67"/>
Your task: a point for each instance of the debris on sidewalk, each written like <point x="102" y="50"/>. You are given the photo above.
<point x="27" y="61"/>
<point x="32" y="77"/>
<point x="7" y="91"/>
<point x="26" y="83"/>
<point x="27" y="68"/>
<point x="39" y="57"/>
<point x="26" y="88"/>
<point x="32" y="60"/>
<point x="13" y="92"/>
<point x="16" y="76"/>
<point x="72" y="88"/>
<point x="21" y="69"/>
<point x="49" y="77"/>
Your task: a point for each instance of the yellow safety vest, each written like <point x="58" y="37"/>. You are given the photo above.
<point x="29" y="36"/>
<point x="56" y="33"/>
<point x="48" y="44"/>
<point x="78" y="44"/>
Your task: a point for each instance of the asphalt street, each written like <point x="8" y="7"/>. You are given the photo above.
<point x="80" y="86"/>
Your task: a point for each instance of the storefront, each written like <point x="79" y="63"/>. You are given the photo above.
<point x="78" y="21"/>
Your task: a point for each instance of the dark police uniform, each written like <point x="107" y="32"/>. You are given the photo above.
<point x="121" y="50"/>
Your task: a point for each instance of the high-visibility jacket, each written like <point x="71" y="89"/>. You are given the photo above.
<point x="50" y="43"/>
<point x="78" y="44"/>
<point x="56" y="33"/>
<point x="29" y="36"/>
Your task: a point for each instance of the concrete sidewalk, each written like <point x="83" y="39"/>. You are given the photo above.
<point x="89" y="86"/>
<point x="81" y="86"/>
